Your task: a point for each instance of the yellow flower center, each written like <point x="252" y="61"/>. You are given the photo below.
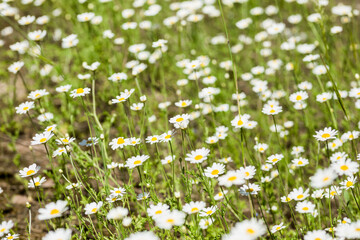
<point x="120" y="141"/>
<point x="215" y="172"/>
<point x="298" y="97"/>
<point x="272" y="110"/>
<point x="153" y="139"/>
<point x="10" y="237"/>
<point x="121" y="99"/>
<point x="54" y="211"/>
<point x="247" y="174"/>
<point x="137" y="162"/>
<point x="261" y="149"/>
<point x="179" y="119"/>
<point x="65" y="140"/>
<point x="239" y="123"/>
<point x="249" y="190"/>
<point x="37" y="95"/>
<point x="167" y="136"/>
<point x="30" y="172"/>
<point x="325" y="135"/>
<point x="344" y="167"/>
<point x="300" y="162"/>
<point x="332" y="193"/>
<point x="250" y="231"/>
<point x="37" y="184"/>
<point x="79" y="90"/>
<point x="326" y="179"/>
<point x="118" y="191"/>
<point x="94" y="210"/>
<point x="300" y="196"/>
<point x="305" y="208"/>
<point x="233" y="178"/>
<point x="25" y="108"/>
<point x="198" y="157"/>
<point x="2" y="230"/>
<point x="349" y="184"/>
<point x="278" y="228"/>
<point x="158" y="212"/>
<point x="183" y="104"/>
<point x="170" y="220"/>
<point x="274" y="160"/>
<point x="43" y="140"/>
<point x="195" y="209"/>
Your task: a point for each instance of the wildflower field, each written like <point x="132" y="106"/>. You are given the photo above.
<point x="165" y="119"/>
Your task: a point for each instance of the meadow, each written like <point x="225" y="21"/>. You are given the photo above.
<point x="164" y="119"/>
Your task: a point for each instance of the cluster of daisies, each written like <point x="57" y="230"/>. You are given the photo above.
<point x="188" y="134"/>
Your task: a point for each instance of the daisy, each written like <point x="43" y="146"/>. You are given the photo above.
<point x="157" y="210"/>
<point x="59" y="151"/>
<point x="198" y="155"/>
<point x="41" y="138"/>
<point x="53" y="210"/>
<point x="298" y="96"/>
<point x="205" y="223"/>
<point x="93" y="207"/>
<point x="248" y="172"/>
<point x="5" y="227"/>
<point x="215" y="170"/>
<point x="273" y="159"/>
<point x="220" y="195"/>
<point x="299" y="194"/>
<point x="271" y="109"/>
<point x="11" y="236"/>
<point x="136" y="161"/>
<point x="45" y="117"/>
<point x="318" y="194"/>
<point x="346" y="167"/>
<point x="326" y="134"/>
<point x="143" y="196"/>
<point x="137" y="106"/>
<point x="60" y="233"/>
<point x="15" y="67"/>
<point x="166" y="137"/>
<point x="332" y="192"/>
<point x="299" y="162"/>
<point x="24" y="107"/>
<point x="118" y="77"/>
<point x="323" y="178"/>
<point x="148" y="235"/>
<point x="261" y="147"/>
<point x="317" y="235"/>
<point x="323" y="97"/>
<point x="350" y="135"/>
<point x="69" y="41"/>
<point x="335" y="144"/>
<point x="123" y="96"/>
<point x="79" y="92"/>
<point x="118" y="142"/>
<point x="240" y="121"/>
<point x="180" y="121"/>
<point x="37" y="94"/>
<point x="276" y="228"/>
<point x="117" y="213"/>
<point x="118" y="191"/>
<point x="250" y="188"/>
<point x="37" y="35"/>
<point x="64" y="88"/>
<point x="348" y="182"/>
<point x="168" y="159"/>
<point x="133" y="141"/>
<point x="208" y="211"/>
<point x="29" y="171"/>
<point x="349" y="231"/>
<point x="170" y="219"/>
<point x="231" y="178"/>
<point x="193" y="207"/>
<point x="26" y="20"/>
<point x="36" y="182"/>
<point x="305" y="207"/>
<point x="85" y="17"/>
<point x="248" y="229"/>
<point x="65" y="141"/>
<point x="183" y="103"/>
<point x="153" y="139"/>
<point x="212" y="140"/>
